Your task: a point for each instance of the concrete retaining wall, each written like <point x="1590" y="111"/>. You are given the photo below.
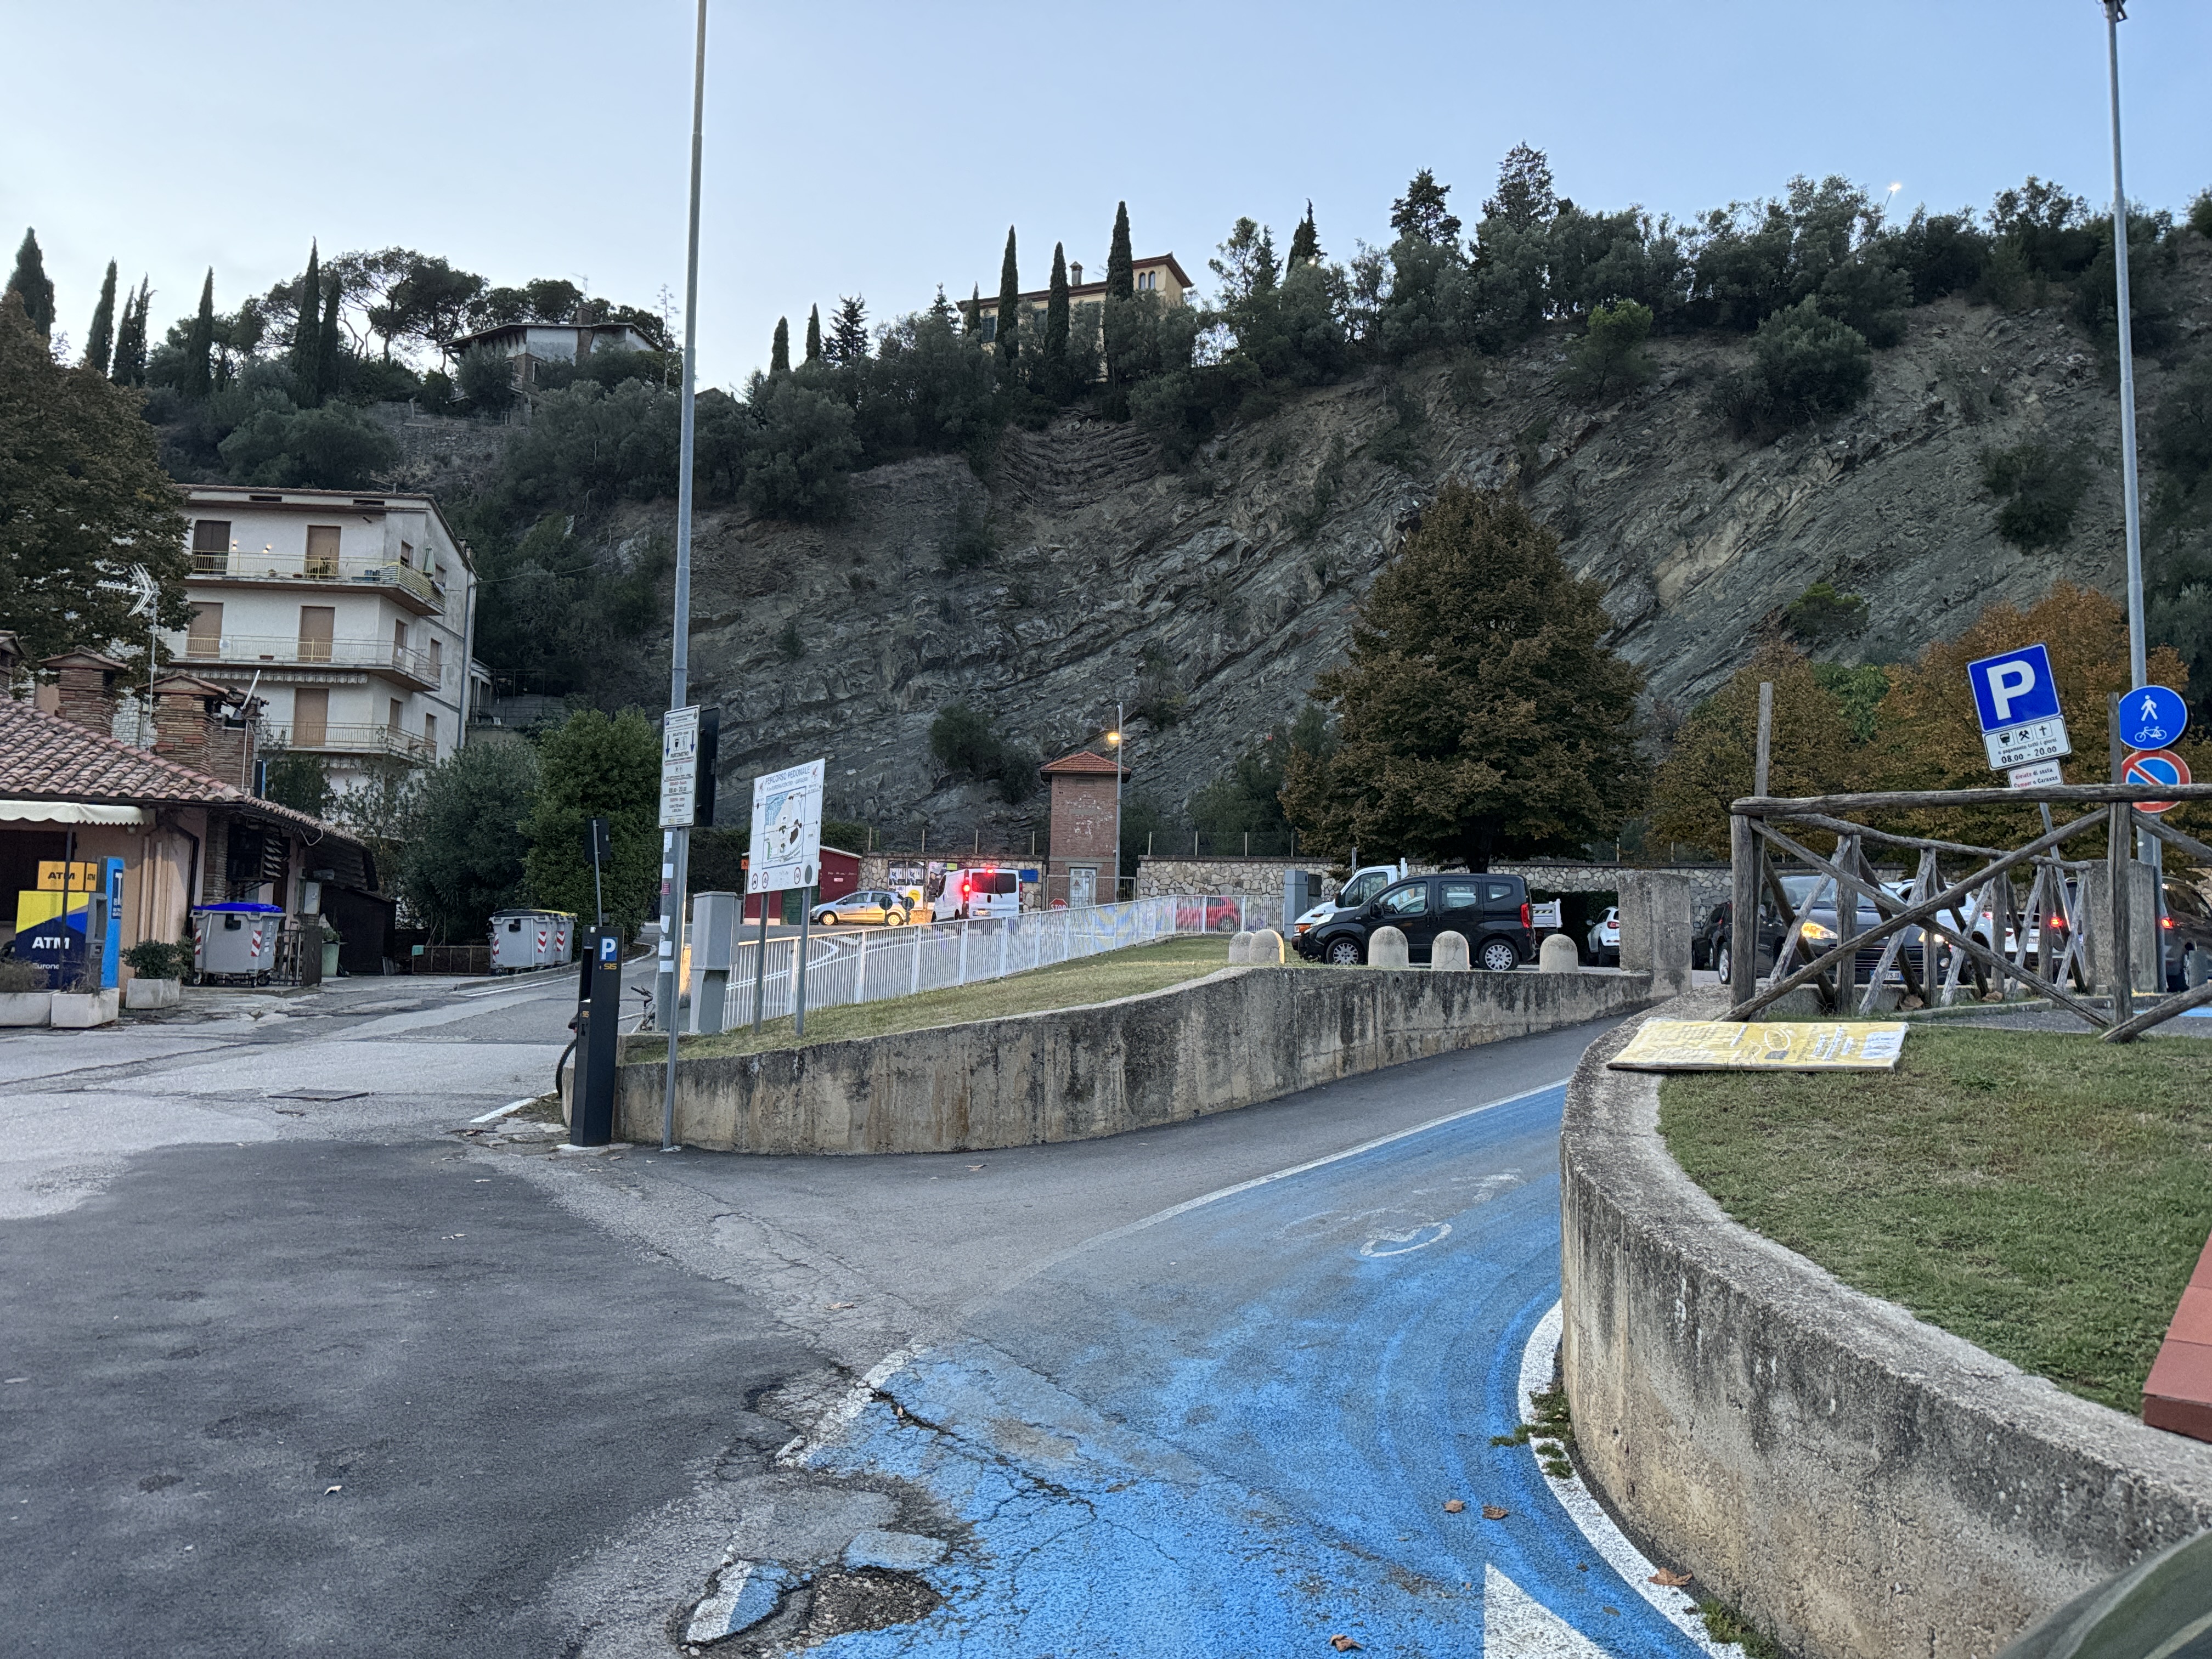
<point x="1861" y="1484"/>
<point x="1238" y="1037"/>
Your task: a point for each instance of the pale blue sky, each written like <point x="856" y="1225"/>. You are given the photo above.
<point x="884" y="148"/>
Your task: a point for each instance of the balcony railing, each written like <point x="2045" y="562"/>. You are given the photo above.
<point x="342" y="738"/>
<point x="252" y="650"/>
<point x="302" y="567"/>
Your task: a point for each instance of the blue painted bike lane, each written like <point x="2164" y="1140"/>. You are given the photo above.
<point x="1234" y="1429"/>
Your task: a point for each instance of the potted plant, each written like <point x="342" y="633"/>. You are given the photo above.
<point x="159" y="969"/>
<point x="24" y="998"/>
<point x="82" y="1004"/>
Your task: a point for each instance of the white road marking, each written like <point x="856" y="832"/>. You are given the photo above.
<point x="1405" y="1242"/>
<point x="1516" y="1625"/>
<point x="1582" y="1506"/>
<point x="800" y="1448"/>
<point x="502" y="1111"/>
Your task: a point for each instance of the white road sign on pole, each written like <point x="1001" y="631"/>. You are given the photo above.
<point x="680" y="768"/>
<point x="787" y="838"/>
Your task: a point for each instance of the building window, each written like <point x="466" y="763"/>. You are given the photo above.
<point x="438" y="661"/>
<point x="204" y="637"/>
<point x="990" y="329"/>
<point x="391" y="720"/>
<point x="322" y="550"/>
<point x="431" y="733"/>
<point x="1148" y="279"/>
<point x="311" y="717"/>
<point x="210" y="546"/>
<point x="407" y="554"/>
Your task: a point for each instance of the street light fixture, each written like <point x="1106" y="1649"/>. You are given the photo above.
<point x="1116" y="742"/>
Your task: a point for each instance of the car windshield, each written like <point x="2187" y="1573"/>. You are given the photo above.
<point x="1360" y="889"/>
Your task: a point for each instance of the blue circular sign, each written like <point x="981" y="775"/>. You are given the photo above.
<point x="2152" y="716"/>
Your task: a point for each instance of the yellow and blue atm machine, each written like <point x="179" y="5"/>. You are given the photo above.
<point x="73" y="902"/>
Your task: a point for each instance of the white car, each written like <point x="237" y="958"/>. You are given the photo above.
<point x="1604" y="939"/>
<point x="1362" y="885"/>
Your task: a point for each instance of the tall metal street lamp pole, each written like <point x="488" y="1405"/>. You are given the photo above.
<point x="676" y="844"/>
<point x="1118" y="741"/>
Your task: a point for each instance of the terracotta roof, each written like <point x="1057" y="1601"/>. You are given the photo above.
<point x="46" y="757"/>
<point x="1083" y="761"/>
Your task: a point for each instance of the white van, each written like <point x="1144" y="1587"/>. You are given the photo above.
<point x="972" y="894"/>
<point x="1362" y="885"/>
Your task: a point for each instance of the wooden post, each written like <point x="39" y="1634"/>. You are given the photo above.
<point x="1760" y="766"/>
<point x="1743" y="910"/>
<point x="2118" y="926"/>
<point x="1847" y="922"/>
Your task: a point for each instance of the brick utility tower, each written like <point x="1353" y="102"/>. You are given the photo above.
<point x="1085" y="828"/>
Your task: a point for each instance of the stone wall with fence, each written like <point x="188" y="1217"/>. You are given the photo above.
<point x="1259" y="877"/>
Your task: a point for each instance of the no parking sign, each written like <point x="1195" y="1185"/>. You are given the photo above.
<point x="2154" y="769"/>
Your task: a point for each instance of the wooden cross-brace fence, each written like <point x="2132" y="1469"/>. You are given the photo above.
<point x="2040" y="941"/>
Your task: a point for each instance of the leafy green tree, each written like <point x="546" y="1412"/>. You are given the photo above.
<point x="848" y="331"/>
<point x="298" y="780"/>
<point x="83" y="499"/>
<point x="485" y="375"/>
<point x="1246" y="798"/>
<point x="1305" y="241"/>
<point x="429" y="303"/>
<point x="814" y="334"/>
<point x="1610" y="356"/>
<point x="1479" y="714"/>
<point x="968" y="746"/>
<point x="1421" y="212"/>
<point x="588" y="448"/>
<point x="593" y="766"/>
<point x="1805" y="367"/>
<point x="100" y="341"/>
<point x="1120" y="262"/>
<point x="1524" y="197"/>
<point x="333" y="447"/>
<point x="1821" y="616"/>
<point x="472" y="836"/>
<point x="29" y="281"/>
<point x="800" y="450"/>
<point x="779" y="348"/>
<point x="1006" y="343"/>
<point x="130" y="367"/>
<point x="199" y="343"/>
<point x="2040" y="488"/>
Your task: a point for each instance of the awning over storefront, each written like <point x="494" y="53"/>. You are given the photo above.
<point x="69" y="811"/>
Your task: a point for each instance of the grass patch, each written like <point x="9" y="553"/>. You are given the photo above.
<point x="1126" y="973"/>
<point x="2043" y="1195"/>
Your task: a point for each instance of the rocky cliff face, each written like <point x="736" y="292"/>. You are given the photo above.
<point x="1235" y="577"/>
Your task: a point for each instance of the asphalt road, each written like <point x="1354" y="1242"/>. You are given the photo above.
<point x="1144" y="1395"/>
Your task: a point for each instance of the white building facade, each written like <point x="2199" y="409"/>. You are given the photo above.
<point x="349" y="616"/>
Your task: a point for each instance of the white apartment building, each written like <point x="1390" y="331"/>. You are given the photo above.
<point x="349" y="615"/>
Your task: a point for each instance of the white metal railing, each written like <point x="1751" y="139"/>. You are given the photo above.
<point x="881" y="964"/>
<point x="289" y="649"/>
<point x="300" y="567"/>
<point x="350" y="737"/>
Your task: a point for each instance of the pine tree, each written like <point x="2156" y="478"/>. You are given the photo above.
<point x="199" y="343"/>
<point x="308" y="330"/>
<point x="1009" y="338"/>
<point x="814" y="334"/>
<point x="129" y="367"/>
<point x="1121" y="263"/>
<point x="1305" y="241"/>
<point x="30" y="281"/>
<point x="1524" y="189"/>
<point x="99" y="344"/>
<point x="848" y="334"/>
<point x="326" y="342"/>
<point x="1055" y="317"/>
<point x="779" y="350"/>
<point x="1420" y="212"/>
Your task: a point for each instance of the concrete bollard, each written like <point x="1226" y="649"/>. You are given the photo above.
<point x="1386" y="948"/>
<point x="1450" y="953"/>
<point x="1655" y="928"/>
<point x="1558" y="956"/>
<point x="1267" y="949"/>
<point x="1240" y="949"/>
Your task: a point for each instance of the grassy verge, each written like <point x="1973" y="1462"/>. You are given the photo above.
<point x="2043" y="1195"/>
<point x="1070" y="984"/>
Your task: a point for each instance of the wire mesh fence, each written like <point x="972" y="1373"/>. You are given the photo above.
<point x="879" y="964"/>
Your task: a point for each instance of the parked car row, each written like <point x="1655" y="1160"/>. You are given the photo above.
<point x="1490" y="912"/>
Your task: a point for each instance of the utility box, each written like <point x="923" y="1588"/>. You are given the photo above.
<point x="236" y="941"/>
<point x="523" y="939"/>
<point x="716" y="918"/>
<point x="1301" y="892"/>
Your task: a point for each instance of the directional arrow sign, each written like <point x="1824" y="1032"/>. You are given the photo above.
<point x="2154" y="769"/>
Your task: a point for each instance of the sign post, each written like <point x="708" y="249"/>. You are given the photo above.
<point x="688" y="742"/>
<point x="786" y="852"/>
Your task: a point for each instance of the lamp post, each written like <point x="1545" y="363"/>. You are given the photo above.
<point x="1117" y="740"/>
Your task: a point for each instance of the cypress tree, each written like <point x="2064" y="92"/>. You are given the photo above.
<point x="975" y="309"/>
<point x="1305" y="241"/>
<point x="326" y="340"/>
<point x="814" y="335"/>
<point x="99" y="344"/>
<point x="307" y="327"/>
<point x="1055" y="317"/>
<point x="30" y="281"/>
<point x="199" y="344"/>
<point x="1120" y="263"/>
<point x="779" y="350"/>
<point x="131" y="337"/>
<point x="1009" y="339"/>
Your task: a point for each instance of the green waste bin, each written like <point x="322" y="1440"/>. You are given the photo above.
<point x="330" y="942"/>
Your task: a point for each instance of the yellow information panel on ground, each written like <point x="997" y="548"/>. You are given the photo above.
<point x="1712" y="1045"/>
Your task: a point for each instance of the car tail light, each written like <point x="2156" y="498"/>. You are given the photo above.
<point x="1524" y="913"/>
<point x="2166" y="922"/>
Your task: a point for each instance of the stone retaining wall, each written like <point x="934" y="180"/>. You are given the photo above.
<point x="1861" y="1484"/>
<point x="1234" y="1038"/>
<point x="1263" y="877"/>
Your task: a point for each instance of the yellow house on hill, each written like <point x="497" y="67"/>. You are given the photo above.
<point x="1158" y="275"/>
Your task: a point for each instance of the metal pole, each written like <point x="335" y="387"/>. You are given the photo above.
<point x="1121" y="753"/>
<point x="798" y="989"/>
<point x="679" y="656"/>
<point x="760" y="969"/>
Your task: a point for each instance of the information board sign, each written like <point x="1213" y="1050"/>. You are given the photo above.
<point x="680" y="768"/>
<point x="1698" y="1045"/>
<point x="2016" y="700"/>
<point x="787" y="835"/>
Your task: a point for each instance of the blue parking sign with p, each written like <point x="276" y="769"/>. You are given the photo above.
<point x="608" y="944"/>
<point x="2015" y="688"/>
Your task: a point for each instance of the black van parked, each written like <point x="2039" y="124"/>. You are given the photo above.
<point x="1490" y="912"/>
